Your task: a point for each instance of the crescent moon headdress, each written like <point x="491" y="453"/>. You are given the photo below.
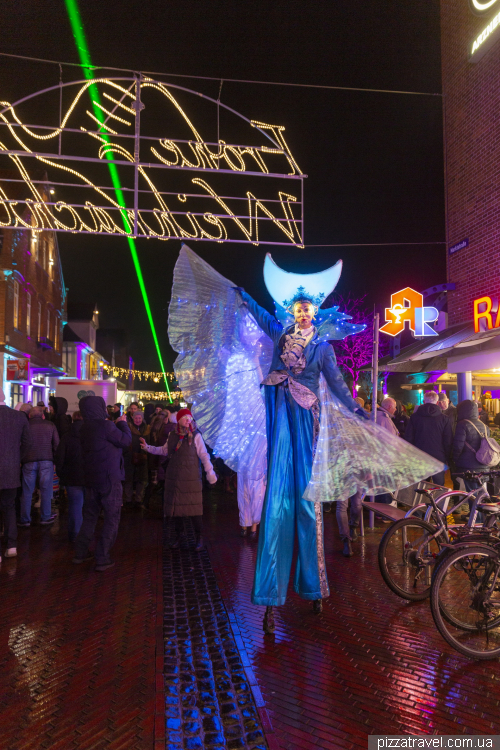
<point x="288" y="288"/>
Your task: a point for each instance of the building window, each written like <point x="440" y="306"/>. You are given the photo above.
<point x="56" y="332"/>
<point x="28" y="314"/>
<point x="16" y="304"/>
<point x="39" y="320"/>
<point x="16" y="394"/>
<point x="48" y="323"/>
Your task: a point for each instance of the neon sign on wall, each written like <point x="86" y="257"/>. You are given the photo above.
<point x="241" y="193"/>
<point x="481" y="6"/>
<point x="486" y="314"/>
<point x="407" y="307"/>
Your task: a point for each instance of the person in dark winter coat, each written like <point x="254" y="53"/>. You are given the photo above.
<point x="160" y="431"/>
<point x="102" y="448"/>
<point x="470" y="430"/>
<point x="136" y="462"/>
<point x="15" y="439"/>
<point x="60" y="418"/>
<point x="69" y="468"/>
<point x="400" y="418"/>
<point x="430" y="430"/>
<point x="449" y="409"/>
<point x="161" y="426"/>
<point x="183" y="487"/>
<point x="38" y="462"/>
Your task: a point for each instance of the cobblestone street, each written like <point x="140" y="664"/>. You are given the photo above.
<point x="166" y="651"/>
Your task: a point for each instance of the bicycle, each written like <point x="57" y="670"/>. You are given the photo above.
<point x="465" y="594"/>
<point x="411" y="547"/>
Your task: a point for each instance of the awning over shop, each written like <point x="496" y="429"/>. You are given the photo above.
<point x="454" y="344"/>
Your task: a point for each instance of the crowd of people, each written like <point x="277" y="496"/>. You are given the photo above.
<point x="104" y="460"/>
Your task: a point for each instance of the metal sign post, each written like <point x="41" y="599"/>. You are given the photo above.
<point x="375" y="365"/>
<point x="376" y="322"/>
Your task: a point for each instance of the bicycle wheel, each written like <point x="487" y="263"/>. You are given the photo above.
<point x="465" y="601"/>
<point x="406" y="557"/>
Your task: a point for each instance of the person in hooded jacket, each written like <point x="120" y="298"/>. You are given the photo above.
<point x="60" y="418"/>
<point x="69" y="468"/>
<point x="102" y="442"/>
<point x="431" y="431"/>
<point x="468" y="435"/>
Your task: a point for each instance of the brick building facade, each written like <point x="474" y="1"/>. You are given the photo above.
<point x="472" y="147"/>
<point x="32" y="310"/>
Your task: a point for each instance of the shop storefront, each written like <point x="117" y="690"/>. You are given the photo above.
<point x="25" y="380"/>
<point x="463" y="360"/>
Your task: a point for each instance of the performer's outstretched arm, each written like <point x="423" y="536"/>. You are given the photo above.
<point x="267" y="322"/>
<point x="336" y="382"/>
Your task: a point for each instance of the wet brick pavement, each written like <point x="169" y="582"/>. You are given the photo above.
<point x="166" y="651"/>
<point x="369" y="664"/>
<point x="78" y="648"/>
<point x="209" y="701"/>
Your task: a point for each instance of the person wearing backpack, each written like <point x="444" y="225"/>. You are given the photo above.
<point x="468" y="440"/>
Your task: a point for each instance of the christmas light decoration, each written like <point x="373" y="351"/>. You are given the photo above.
<point x="146" y="374"/>
<point x="228" y="158"/>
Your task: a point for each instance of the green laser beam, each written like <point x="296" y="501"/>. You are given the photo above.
<point x="84" y="54"/>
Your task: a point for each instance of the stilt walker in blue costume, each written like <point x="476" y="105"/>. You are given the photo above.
<point x="300" y="438"/>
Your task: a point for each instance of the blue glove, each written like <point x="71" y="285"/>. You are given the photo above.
<point x="238" y="289"/>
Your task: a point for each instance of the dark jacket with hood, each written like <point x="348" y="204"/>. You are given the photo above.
<point x="61" y="420"/>
<point x="464" y="457"/>
<point x="102" y="445"/>
<point x="69" y="457"/>
<point x="430" y="430"/>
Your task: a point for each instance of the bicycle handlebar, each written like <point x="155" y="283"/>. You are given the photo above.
<point x="472" y="474"/>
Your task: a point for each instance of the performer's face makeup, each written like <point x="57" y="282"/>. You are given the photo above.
<point x="304" y="313"/>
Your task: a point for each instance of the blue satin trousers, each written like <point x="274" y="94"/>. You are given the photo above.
<point x="285" y="512"/>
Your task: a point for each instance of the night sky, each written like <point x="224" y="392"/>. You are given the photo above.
<point x="374" y="160"/>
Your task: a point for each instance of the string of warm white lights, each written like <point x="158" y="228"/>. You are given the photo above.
<point x="146" y="374"/>
<point x="157" y="395"/>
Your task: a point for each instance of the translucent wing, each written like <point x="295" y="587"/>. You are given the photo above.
<point x="223" y="356"/>
<point x="353" y="454"/>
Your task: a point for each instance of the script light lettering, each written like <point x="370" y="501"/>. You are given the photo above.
<point x="104" y="213"/>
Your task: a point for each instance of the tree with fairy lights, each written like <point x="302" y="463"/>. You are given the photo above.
<point x="355" y="352"/>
